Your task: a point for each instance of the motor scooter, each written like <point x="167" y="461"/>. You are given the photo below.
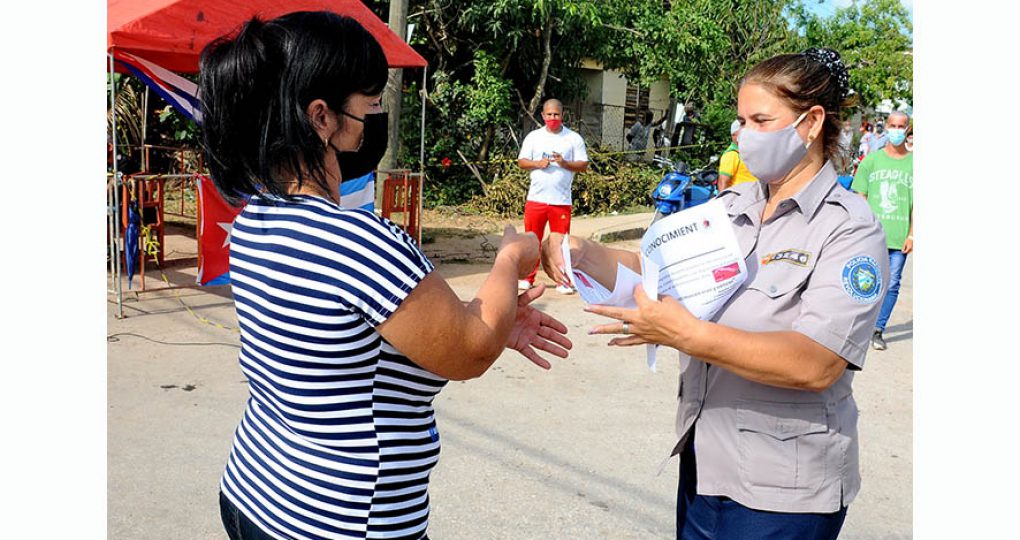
<point x="681" y="188"/>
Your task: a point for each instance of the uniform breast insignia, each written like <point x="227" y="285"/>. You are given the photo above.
<point x="792" y="256"/>
<point x="862" y="280"/>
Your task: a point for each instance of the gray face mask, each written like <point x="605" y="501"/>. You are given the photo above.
<point x="771" y="155"/>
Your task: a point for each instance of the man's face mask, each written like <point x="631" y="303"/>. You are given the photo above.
<point x="897" y="136"/>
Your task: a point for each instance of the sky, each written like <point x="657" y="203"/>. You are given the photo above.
<point x="828" y="7"/>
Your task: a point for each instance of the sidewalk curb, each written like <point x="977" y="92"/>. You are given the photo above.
<point x="618" y="235"/>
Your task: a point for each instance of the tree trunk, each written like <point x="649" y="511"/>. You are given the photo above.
<point x="546" y="60"/>
<point x="483" y="153"/>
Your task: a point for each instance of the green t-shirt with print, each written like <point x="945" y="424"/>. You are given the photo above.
<point x="888" y="183"/>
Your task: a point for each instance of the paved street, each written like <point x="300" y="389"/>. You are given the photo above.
<point x="569" y="453"/>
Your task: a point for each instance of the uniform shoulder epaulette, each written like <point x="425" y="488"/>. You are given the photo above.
<point x="855" y="205"/>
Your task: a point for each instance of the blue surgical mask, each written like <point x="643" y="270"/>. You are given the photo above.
<point x="897" y="136"/>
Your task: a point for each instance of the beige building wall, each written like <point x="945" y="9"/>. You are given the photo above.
<point x="607" y="100"/>
<point x="614" y="99"/>
<point x="658" y="99"/>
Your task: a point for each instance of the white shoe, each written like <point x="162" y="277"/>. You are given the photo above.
<point x="523" y="285"/>
<point x="563" y="289"/>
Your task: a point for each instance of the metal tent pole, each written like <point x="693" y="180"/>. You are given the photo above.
<point x="145" y="116"/>
<point x="421" y="155"/>
<point x="117" y="285"/>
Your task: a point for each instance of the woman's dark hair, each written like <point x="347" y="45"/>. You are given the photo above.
<point x="813" y="77"/>
<point x="256" y="86"/>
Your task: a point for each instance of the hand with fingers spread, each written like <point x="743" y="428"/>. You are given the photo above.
<point x="536" y="330"/>
<point x="523" y="248"/>
<point x="664" y="322"/>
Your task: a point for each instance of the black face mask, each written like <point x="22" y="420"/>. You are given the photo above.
<point x="358" y="163"/>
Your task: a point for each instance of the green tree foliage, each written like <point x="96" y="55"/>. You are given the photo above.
<point x="874" y="39"/>
<point x="164" y="128"/>
<point x="648" y="42"/>
<point x="491" y="63"/>
<point x="177" y="129"/>
<point x="755" y="31"/>
<point x="488" y="95"/>
<point x="702" y="47"/>
<point x="128" y="107"/>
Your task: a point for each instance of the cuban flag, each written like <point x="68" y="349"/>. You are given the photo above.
<point x="176" y="90"/>
<point x="215" y="220"/>
<point x="358" y="192"/>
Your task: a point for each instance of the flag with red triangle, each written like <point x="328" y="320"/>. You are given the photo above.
<point x="215" y="220"/>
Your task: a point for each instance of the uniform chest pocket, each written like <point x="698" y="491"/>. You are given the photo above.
<point x="780" y="279"/>
<point x="783" y="445"/>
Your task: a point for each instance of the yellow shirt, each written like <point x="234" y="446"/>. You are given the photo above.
<point x="731" y="165"/>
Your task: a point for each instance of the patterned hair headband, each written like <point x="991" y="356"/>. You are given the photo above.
<point x="830" y="59"/>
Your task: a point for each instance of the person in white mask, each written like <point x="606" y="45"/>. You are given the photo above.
<point x="765" y="384"/>
<point x="886" y="180"/>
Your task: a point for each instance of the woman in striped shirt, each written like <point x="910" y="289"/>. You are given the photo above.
<point x="347" y="334"/>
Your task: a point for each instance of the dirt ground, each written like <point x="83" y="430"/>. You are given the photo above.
<point x="574" y="452"/>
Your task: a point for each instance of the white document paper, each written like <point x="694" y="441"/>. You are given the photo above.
<point x="692" y="255"/>
<point x="650" y="284"/>
<point x="593" y="292"/>
<point x="699" y="258"/>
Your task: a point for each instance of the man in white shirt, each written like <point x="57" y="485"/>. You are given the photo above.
<point x="553" y="154"/>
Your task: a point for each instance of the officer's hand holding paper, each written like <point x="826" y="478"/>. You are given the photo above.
<point x="698" y="257"/>
<point x="593" y="292"/>
<point x="692" y="255"/>
<point x="695" y="253"/>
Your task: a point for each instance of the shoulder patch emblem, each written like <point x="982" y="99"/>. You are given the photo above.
<point x="862" y="280"/>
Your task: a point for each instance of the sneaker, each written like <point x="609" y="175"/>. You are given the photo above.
<point x="877" y="342"/>
<point x="523" y="285"/>
<point x="563" y="289"/>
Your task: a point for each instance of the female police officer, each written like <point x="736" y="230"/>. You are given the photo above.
<point x="765" y="386"/>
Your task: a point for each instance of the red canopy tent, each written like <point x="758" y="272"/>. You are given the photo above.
<point x="172" y="34"/>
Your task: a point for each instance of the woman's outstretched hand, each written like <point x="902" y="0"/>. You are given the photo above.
<point x="535" y="330"/>
<point x="665" y="322"/>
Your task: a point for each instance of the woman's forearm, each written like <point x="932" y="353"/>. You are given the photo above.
<point x="785" y="359"/>
<point x="494" y="308"/>
<point x="600" y="262"/>
<point x="448" y="337"/>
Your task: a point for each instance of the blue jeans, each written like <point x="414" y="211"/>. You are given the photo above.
<point x="897" y="260"/>
<point x="237" y="525"/>
<point x="703" y="517"/>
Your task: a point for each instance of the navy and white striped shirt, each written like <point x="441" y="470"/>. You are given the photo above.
<point x="338" y="437"/>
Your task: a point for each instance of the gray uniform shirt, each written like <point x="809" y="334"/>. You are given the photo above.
<point x="818" y="266"/>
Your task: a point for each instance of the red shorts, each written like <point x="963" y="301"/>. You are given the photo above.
<point x="537" y="214"/>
